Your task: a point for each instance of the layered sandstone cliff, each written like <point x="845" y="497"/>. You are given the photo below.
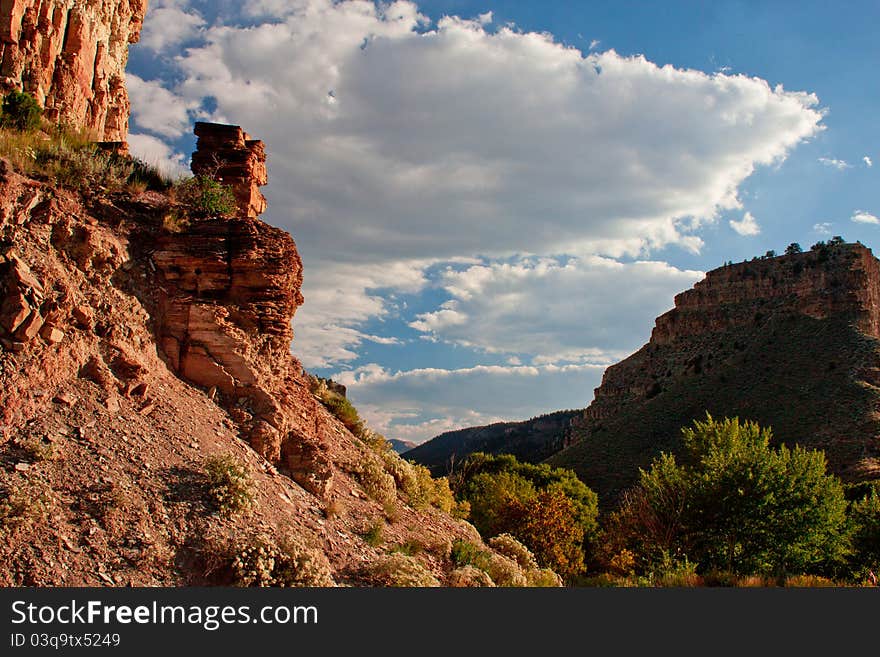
<point x="71" y="55"/>
<point x="228" y="288"/>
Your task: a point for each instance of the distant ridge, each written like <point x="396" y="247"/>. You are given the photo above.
<point x="531" y="440"/>
<point x="401" y="446"/>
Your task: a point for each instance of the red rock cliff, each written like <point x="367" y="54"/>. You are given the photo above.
<point x="819" y="284"/>
<point x="229" y="287"/>
<point x="71" y="55"/>
<point x="833" y="281"/>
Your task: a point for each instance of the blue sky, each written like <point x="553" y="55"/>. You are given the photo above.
<point x="493" y="200"/>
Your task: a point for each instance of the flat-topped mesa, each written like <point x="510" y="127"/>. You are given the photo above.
<point x="829" y="280"/>
<point x="71" y="56"/>
<point x="227" y="154"/>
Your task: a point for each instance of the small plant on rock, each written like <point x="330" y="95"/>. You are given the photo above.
<point x="206" y="196"/>
<point x="229" y="485"/>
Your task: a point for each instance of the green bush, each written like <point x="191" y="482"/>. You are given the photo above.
<point x="21" y="112"/>
<point x="735" y="504"/>
<point x="203" y="195"/>
<point x="522" y="480"/>
<point x="864" y="520"/>
<point x="374" y="536"/>
<point x="229" y="485"/>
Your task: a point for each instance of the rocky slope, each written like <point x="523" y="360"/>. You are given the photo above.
<point x="71" y="56"/>
<point x="791" y="342"/>
<point x="134" y="346"/>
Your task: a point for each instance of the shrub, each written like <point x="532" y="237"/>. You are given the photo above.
<point x="287" y="565"/>
<point x="203" y="195"/>
<point x="465" y="553"/>
<point x="489" y="495"/>
<point x="400" y="570"/>
<point x="864" y="521"/>
<point x="229" y="485"/>
<point x="735" y="504"/>
<point x="508" y="546"/>
<point x="543" y="578"/>
<point x="504" y="571"/>
<point x="504" y="567"/>
<point x="808" y="581"/>
<point x="36" y="449"/>
<point x="22" y="507"/>
<point x="548" y="526"/>
<point x="21" y="112"/>
<point x="469" y="577"/>
<point x="175" y="222"/>
<point x="410" y="547"/>
<point x="470" y="484"/>
<point x="374" y="534"/>
<point x="377" y="483"/>
<point x="148" y="176"/>
<point x="672" y="572"/>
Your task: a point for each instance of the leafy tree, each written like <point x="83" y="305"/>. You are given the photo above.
<point x="734" y="503"/>
<point x="548" y="525"/>
<point x="770" y="254"/>
<point x="490" y="493"/>
<point x="793" y="248"/>
<point x="864" y="519"/>
<point x="21" y="112"/>
<point x="541" y="506"/>
<point x="540" y="476"/>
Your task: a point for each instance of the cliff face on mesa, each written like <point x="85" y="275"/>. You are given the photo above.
<point x="71" y="56"/>
<point x="791" y="342"/>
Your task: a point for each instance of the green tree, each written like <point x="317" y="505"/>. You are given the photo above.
<point x="735" y="503"/>
<point x="864" y="520"/>
<point x="490" y="494"/>
<point x="793" y="248"/>
<point x="21" y="112"/>
<point x="549" y="509"/>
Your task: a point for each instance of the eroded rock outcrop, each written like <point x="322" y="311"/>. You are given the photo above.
<point x="229" y="288"/>
<point x="228" y="154"/>
<point x="71" y="55"/>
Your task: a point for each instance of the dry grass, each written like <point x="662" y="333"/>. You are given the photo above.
<point x="73" y="159"/>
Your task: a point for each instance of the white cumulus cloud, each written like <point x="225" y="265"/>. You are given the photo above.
<point x="868" y="161"/>
<point x="170" y="23"/>
<point x="393" y="140"/>
<point x="155" y="108"/>
<point x="862" y="217"/>
<point x="747" y="226"/>
<point x="591" y="309"/>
